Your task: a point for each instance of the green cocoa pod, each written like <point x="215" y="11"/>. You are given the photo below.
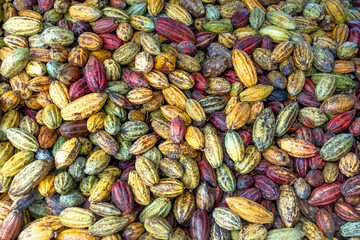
<point x="14" y="62"/>
<point x="337" y="147"/>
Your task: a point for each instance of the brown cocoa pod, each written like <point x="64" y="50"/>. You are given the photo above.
<point x="74" y="129"/>
<point x="11" y="226"/>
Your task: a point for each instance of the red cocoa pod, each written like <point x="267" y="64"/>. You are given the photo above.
<point x="29" y="112"/>
<point x="187" y="47"/>
<point x="354" y="128"/>
<point x="315" y="178"/>
<point x="318" y="135"/>
<point x="230" y="76"/>
<point x="356" y="101"/>
<point x="248" y="44"/>
<point x="305" y="133"/>
<point x="200" y="225"/>
<point x="301" y="166"/>
<point x="135" y="79"/>
<point x="122" y="196"/>
<point x="207" y="173"/>
<point x="11" y="225"/>
<point x="244" y="181"/>
<point x="218" y="193"/>
<point x="341" y="122"/>
<point x="307" y="210"/>
<point x="118" y="3"/>
<point x="267" y="43"/>
<point x="307" y="100"/>
<point x="74" y="129"/>
<point x="347" y="212"/>
<point x="78" y="89"/>
<point x="270" y="206"/>
<point x="120" y="100"/>
<point x="246" y="136"/>
<point x="217" y="119"/>
<point x="354" y="23"/>
<point x="326" y="223"/>
<point x="45" y="5"/>
<point x="309" y="86"/>
<point x="200" y="81"/>
<point x="280" y="175"/>
<point x="204" y="39"/>
<point x="110" y="41"/>
<point x="316" y="162"/>
<point x="262" y="79"/>
<point x="125" y="174"/>
<point x="174" y="30"/>
<point x="354" y="35"/>
<point x="269" y="190"/>
<point x="252" y="194"/>
<point x="294" y="127"/>
<point x="177" y="129"/>
<point x="351" y="187"/>
<point x="240" y="18"/>
<point x="222" y="202"/>
<point x="198" y="94"/>
<point x="325" y="194"/>
<point x="262" y="167"/>
<point x="105" y="25"/>
<point x="276" y="107"/>
<point x="95" y="74"/>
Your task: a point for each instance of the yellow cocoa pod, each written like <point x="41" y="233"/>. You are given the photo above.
<point x="167" y="187"/>
<point x="238" y="116"/>
<point x="77" y="217"/>
<point x="146" y="170"/>
<point x="195" y="137"/>
<point x="47" y="185"/>
<point x="249" y="210"/>
<point x="174" y="96"/>
<point x="102" y="188"/>
<point x="244" y="68"/>
<point x="256" y="93"/>
<point x="140" y="190"/>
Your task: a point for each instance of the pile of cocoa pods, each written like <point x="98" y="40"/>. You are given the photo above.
<point x="179" y="119"/>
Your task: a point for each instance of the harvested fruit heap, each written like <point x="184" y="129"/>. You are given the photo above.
<point x="189" y="119"/>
